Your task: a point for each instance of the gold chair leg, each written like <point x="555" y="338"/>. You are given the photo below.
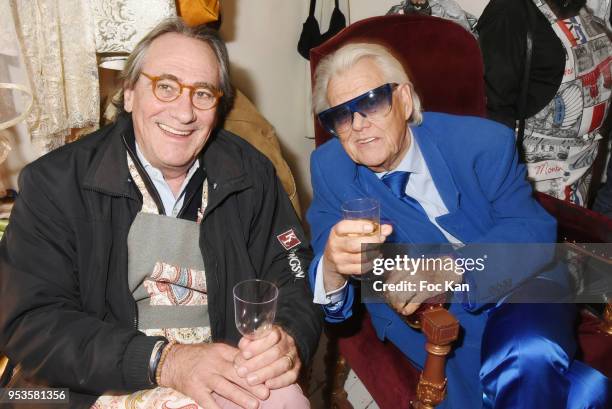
<point x="3" y="363"/>
<point x="336" y="375"/>
<point x="441" y="328"/>
<point x="339" y="397"/>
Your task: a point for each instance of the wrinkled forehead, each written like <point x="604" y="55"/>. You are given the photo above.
<point x="188" y="59"/>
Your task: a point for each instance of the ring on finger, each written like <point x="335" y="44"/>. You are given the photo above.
<point x="291" y="361"/>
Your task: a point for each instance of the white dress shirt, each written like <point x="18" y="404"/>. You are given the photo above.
<point x="172" y="204"/>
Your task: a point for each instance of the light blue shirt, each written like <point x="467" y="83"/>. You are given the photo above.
<point x="172" y="204"/>
<point x="421" y="187"/>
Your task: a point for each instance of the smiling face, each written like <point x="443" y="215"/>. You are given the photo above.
<point x="380" y="144"/>
<point x="172" y="134"/>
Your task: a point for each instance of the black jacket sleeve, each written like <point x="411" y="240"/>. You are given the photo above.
<point x="275" y="223"/>
<point x="43" y="325"/>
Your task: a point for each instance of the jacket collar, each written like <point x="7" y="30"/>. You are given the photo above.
<point x="454" y="221"/>
<point x="109" y="172"/>
<point x="438" y="168"/>
<point x="222" y="160"/>
<point x="223" y="163"/>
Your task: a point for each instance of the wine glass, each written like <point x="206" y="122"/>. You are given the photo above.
<point x="255" y="307"/>
<point x="364" y="209"/>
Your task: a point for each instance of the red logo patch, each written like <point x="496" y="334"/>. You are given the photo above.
<point x="288" y="239"/>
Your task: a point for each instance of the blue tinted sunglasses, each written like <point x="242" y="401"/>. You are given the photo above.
<point x="374" y="104"/>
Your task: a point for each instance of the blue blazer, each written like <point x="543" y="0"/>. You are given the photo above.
<point x="475" y="167"/>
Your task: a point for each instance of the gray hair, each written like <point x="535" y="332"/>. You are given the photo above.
<point x="346" y="57"/>
<point x="210" y="36"/>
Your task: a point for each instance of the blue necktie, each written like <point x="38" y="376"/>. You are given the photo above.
<point x="397" y="181"/>
<point x="428" y="232"/>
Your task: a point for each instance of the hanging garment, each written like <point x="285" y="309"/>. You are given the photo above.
<point x="120" y="24"/>
<point x="447" y="9"/>
<point x="561" y="140"/>
<point x="57" y="41"/>
<point x="311" y="34"/>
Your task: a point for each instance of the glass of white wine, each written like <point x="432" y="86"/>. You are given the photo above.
<point x="255" y="307"/>
<point x="364" y="209"/>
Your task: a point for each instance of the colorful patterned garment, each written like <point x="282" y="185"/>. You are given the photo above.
<point x="561" y="141"/>
<point x="158" y="398"/>
<point x="167" y="284"/>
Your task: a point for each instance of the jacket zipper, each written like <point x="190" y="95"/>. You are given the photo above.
<point x="143" y="173"/>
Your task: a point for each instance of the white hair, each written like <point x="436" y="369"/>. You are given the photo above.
<point x="346" y="57"/>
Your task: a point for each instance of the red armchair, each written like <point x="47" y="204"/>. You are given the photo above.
<point x="445" y="64"/>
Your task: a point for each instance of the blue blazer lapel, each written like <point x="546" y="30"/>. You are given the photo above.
<point x="454" y="221"/>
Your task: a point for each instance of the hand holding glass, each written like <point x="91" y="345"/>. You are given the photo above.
<point x="365" y="209"/>
<point x="255" y="307"/>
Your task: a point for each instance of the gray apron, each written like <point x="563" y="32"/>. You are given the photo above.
<point x="166" y="273"/>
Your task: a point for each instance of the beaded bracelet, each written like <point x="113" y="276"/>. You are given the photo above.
<point x="154" y="361"/>
<point x="164" y="354"/>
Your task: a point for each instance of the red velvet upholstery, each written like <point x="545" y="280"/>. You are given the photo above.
<point x="445" y="64"/>
<point x="595" y="346"/>
<point x="576" y="223"/>
<point x="442" y="59"/>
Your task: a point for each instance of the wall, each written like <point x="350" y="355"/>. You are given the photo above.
<point x="262" y="38"/>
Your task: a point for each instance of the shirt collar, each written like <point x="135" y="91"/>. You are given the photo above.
<point x="412" y="161"/>
<point x="156" y="174"/>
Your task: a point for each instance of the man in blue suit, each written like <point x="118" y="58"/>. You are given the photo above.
<point x="441" y="179"/>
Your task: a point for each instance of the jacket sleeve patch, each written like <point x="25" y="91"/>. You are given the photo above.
<point x="288" y="239"/>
